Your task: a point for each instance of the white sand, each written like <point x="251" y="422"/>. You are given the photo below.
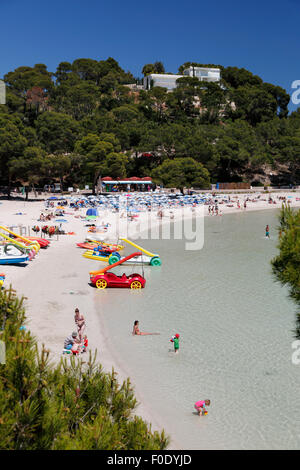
<point x="57" y="279"/>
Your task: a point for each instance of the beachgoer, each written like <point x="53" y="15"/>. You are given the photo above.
<point x="136" y="330"/>
<point x="200" y="406"/>
<point x="85" y="343"/>
<point x="77" y="347"/>
<point x="70" y="340"/>
<point x="175" y="341"/>
<point x="267" y="231"/>
<point x="80" y="322"/>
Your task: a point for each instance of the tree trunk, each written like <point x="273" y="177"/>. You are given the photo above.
<point x="8" y="187"/>
<point x="34" y="191"/>
<point x="95" y="182"/>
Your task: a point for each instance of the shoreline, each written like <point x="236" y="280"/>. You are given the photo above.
<point x="62" y="284"/>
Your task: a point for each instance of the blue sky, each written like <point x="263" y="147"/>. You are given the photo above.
<point x="262" y="36"/>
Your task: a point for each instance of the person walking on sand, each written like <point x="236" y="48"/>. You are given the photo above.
<point x="80" y="323"/>
<point x="136" y="330"/>
<point x="267" y="231"/>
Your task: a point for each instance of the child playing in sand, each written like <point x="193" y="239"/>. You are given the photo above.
<point x="77" y="347"/>
<point x="70" y="341"/>
<point x="200" y="406"/>
<point x="175" y="340"/>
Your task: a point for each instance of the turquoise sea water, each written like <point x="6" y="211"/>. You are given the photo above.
<point x="235" y="325"/>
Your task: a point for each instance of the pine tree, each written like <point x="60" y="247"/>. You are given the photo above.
<point x="286" y="266"/>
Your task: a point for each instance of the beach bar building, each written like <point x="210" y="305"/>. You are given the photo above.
<point x="127" y="184"/>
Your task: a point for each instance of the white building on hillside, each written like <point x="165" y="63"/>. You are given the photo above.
<point x="204" y="74"/>
<point x="161" y="79"/>
<point x="169" y="81"/>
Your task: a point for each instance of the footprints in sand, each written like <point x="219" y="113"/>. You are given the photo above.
<point x="68" y="276"/>
<point x="76" y="292"/>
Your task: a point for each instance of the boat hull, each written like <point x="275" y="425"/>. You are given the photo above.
<point x="14" y="260"/>
<point x="89" y="254"/>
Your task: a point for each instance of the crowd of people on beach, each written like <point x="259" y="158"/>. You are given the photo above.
<point x="77" y="342"/>
<point x="45" y="217"/>
<point x="214" y="210"/>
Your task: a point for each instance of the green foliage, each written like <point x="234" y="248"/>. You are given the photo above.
<point x="181" y="172"/>
<point x="234" y="130"/>
<point x="72" y="405"/>
<point x="286" y="264"/>
<point x="157" y="67"/>
<point x="57" y="132"/>
<point x="24" y="78"/>
<point x="12" y="144"/>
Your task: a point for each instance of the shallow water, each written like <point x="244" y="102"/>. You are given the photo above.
<point x="236" y="329"/>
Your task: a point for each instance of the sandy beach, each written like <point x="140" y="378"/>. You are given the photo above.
<point x="57" y="279"/>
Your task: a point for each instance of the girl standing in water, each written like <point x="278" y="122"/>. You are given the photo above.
<point x="200" y="406"/>
<point x="267" y="231"/>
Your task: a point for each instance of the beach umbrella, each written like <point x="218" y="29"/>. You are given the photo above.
<point x="90" y="217"/>
<point x="52" y="198"/>
<point x="92" y="211"/>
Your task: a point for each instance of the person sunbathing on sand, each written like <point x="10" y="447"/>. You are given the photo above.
<point x="136" y="330"/>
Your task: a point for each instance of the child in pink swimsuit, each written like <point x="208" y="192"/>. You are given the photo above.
<point x="200" y="406"/>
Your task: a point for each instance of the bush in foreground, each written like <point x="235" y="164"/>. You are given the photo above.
<point x="286" y="266"/>
<point x="72" y="405"/>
